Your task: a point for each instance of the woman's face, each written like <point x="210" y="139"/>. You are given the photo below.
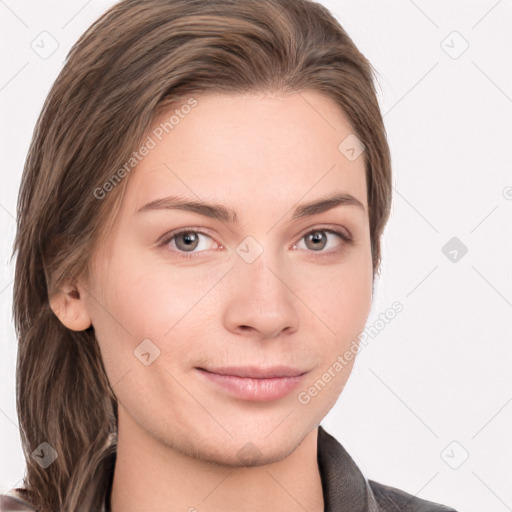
<point x="274" y="287"/>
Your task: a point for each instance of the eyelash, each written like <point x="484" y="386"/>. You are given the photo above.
<point x="346" y="238"/>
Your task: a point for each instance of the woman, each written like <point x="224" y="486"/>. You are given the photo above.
<point x="199" y="228"/>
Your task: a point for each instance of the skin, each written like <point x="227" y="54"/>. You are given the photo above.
<point x="297" y="304"/>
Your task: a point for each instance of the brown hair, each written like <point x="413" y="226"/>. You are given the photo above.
<point x="132" y="64"/>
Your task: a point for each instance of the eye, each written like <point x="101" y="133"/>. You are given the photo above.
<point x="318" y="239"/>
<point x="186" y="241"/>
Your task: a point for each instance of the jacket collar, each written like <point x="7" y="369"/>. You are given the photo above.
<point x="344" y="485"/>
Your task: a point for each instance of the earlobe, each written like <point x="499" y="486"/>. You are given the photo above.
<point x="69" y="307"/>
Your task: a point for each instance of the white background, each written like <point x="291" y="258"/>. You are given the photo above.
<point x="434" y="385"/>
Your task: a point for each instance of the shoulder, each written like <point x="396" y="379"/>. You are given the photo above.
<point x="391" y="499"/>
<point x="12" y="503"/>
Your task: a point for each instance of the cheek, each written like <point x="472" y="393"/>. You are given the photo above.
<point x="343" y="306"/>
<point x="142" y="299"/>
<point x="340" y="298"/>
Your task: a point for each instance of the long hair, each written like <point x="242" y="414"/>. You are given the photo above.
<point x="129" y="67"/>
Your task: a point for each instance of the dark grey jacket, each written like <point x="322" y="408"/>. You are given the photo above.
<point x="344" y="487"/>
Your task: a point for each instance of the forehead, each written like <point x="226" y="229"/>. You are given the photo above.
<point x="251" y="148"/>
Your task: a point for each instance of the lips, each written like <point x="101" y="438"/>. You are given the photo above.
<point x="254" y="383"/>
<point x="256" y="372"/>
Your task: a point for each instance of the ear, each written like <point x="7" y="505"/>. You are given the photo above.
<point x="70" y="308"/>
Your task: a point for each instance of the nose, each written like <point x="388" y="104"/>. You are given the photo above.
<point x="261" y="301"/>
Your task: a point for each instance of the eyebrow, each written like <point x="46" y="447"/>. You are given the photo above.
<point x="220" y="212"/>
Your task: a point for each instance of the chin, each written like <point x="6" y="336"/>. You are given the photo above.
<point x="247" y="454"/>
<point x="254" y="447"/>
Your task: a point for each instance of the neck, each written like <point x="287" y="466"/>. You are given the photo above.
<point x="152" y="475"/>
